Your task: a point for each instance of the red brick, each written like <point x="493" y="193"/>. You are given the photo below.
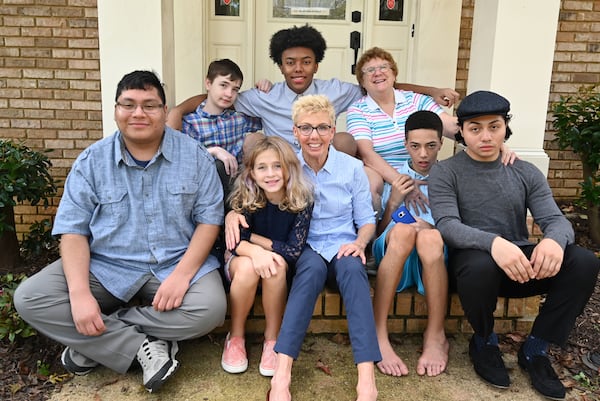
<point x="403" y="304"/>
<point x="9" y="52"/>
<point x="56" y="124"/>
<point x="416" y="325"/>
<point x="50" y="22"/>
<point x="332" y="303"/>
<point x="9" y="31"/>
<point x="18" y="21"/>
<point x="25" y="123"/>
<point x="84" y="64"/>
<point x="36" y="53"/>
<point x="83" y="43"/>
<point x="19" y="62"/>
<point x="46" y="114"/>
<point x="19" y="42"/>
<point x="67" y="53"/>
<point x="36" y="31"/>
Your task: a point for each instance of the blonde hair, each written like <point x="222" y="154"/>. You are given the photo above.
<point x="248" y="196"/>
<point x="311" y="104"/>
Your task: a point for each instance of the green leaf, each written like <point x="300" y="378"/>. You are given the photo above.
<point x="24" y="176"/>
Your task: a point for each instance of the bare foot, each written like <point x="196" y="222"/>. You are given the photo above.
<point x="366" y="390"/>
<point x="367" y="397"/>
<point x="390" y="364"/>
<point x="279" y="393"/>
<point x="434" y="358"/>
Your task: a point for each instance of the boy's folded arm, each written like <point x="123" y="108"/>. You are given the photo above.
<point x="176" y="113"/>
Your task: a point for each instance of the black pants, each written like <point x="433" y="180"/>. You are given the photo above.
<point x="479" y="282"/>
<point x="226" y="181"/>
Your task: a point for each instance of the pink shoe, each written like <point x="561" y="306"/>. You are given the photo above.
<point x="234" y="358"/>
<point x="268" y="359"/>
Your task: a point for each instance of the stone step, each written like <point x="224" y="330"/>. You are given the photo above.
<point x="408" y="314"/>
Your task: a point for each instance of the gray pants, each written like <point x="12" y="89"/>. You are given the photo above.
<point x="43" y="301"/>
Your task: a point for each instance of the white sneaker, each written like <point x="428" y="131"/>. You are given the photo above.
<point x="157" y="358"/>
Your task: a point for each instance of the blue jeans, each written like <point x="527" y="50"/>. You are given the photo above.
<point x="349" y="275"/>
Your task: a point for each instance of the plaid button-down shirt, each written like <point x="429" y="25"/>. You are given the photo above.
<point x="226" y="130"/>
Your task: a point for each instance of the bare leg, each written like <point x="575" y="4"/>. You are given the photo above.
<point x="244" y="282"/>
<point x="400" y="240"/>
<point x="273" y="300"/>
<point x="434" y="358"/>
<point x="344" y="142"/>
<point x="280" y="383"/>
<point x="366" y="389"/>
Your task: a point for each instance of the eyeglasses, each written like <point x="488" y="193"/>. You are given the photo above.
<point x="306" y="129"/>
<point x="149" y="108"/>
<point x="372" y="70"/>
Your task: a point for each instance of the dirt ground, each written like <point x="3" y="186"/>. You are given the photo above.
<point x="201" y="377"/>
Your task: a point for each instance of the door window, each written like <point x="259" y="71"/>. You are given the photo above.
<point x="391" y="10"/>
<point x="230" y="8"/>
<point x="310" y="9"/>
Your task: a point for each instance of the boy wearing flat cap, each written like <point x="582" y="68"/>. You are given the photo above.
<point x="480" y="207"/>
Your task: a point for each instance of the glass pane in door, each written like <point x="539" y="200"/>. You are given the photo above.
<point x="310" y="9"/>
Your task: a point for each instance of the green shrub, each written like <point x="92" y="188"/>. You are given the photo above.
<point x="11" y="324"/>
<point x="24" y="176"/>
<point x="39" y="240"/>
<point x="577" y="124"/>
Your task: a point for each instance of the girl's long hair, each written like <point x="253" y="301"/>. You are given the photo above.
<point x="249" y="197"/>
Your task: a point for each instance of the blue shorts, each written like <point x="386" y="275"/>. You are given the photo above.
<point x="411" y="274"/>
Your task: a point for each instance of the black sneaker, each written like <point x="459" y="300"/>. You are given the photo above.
<point x="488" y="364"/>
<point x="542" y="375"/>
<point x="75" y="363"/>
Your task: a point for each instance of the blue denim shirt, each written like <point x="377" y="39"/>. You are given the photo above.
<point x="140" y="220"/>
<point x="342" y="202"/>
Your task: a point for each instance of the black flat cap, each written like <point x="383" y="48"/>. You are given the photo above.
<point x="482" y="103"/>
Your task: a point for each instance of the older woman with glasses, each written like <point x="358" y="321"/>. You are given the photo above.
<point x="342" y="225"/>
<point x="376" y="121"/>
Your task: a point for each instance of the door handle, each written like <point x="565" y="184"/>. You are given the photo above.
<point x="355" y="44"/>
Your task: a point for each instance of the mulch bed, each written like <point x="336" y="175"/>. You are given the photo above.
<point x="31" y="369"/>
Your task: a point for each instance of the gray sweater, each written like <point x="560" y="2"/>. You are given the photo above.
<point x="472" y="202"/>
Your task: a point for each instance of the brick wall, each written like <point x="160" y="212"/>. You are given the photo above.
<point x="576" y="63"/>
<point x="50" y="80"/>
<point x="49" y="83"/>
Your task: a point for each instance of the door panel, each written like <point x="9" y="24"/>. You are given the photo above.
<point x="230" y="34"/>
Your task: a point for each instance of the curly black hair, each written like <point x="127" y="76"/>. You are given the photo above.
<point x="304" y="36"/>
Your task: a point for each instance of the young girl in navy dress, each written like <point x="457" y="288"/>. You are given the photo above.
<point x="276" y="199"/>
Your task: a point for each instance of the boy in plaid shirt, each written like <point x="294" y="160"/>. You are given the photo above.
<point x="218" y="127"/>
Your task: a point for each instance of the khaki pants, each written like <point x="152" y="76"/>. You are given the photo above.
<point x="43" y="301"/>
